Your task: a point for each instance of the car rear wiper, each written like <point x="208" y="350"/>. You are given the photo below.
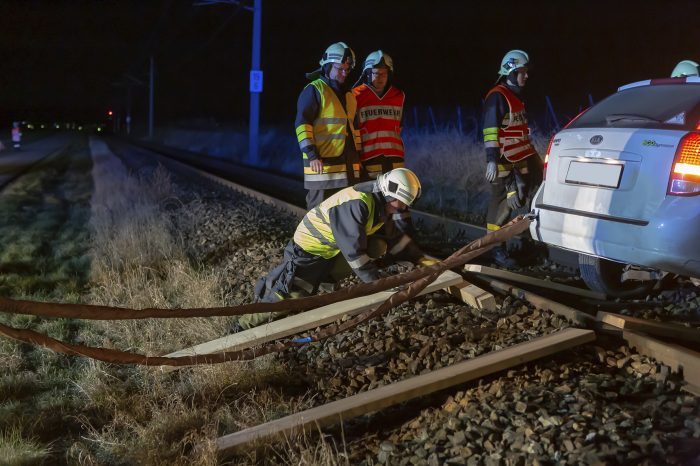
<point x="629" y="118"/>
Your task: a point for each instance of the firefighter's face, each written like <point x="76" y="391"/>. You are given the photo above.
<point x="395" y="206"/>
<point x="522" y="77"/>
<point x="339" y="72"/>
<point x="380" y="77"/>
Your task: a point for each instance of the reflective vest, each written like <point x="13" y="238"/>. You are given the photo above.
<point x="328" y="133"/>
<point x="514" y="133"/>
<point x="314" y="235"/>
<point x="379" y="122"/>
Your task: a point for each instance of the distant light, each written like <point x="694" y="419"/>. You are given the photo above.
<point x="43" y="126"/>
<point x="80" y="128"/>
<point x="99" y="128"/>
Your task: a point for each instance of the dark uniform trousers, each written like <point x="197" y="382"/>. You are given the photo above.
<point x="499" y="211"/>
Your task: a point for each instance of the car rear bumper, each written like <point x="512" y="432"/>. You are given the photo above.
<point x="668" y="240"/>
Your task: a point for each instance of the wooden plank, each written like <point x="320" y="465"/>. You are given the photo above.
<point x="541" y="302"/>
<point x="677" y="357"/>
<point x="652" y="327"/>
<point x="518" y="278"/>
<point x="399" y="392"/>
<point x="471" y="294"/>
<point x="307" y="320"/>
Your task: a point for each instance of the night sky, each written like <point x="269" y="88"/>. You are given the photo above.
<point x="65" y="59"/>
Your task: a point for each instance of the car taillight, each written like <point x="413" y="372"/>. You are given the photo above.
<point x="546" y="158"/>
<point x="685" y="173"/>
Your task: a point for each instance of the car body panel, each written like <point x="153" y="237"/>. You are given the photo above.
<point x="605" y="195"/>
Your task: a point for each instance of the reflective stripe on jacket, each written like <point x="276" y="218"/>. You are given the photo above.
<point x="328" y="133"/>
<point x="513" y="136"/>
<point x="342" y="223"/>
<point x="379" y="123"/>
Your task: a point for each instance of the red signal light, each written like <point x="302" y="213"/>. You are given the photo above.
<point x="109" y="113"/>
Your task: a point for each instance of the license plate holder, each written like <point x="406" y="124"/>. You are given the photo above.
<point x="605" y="175"/>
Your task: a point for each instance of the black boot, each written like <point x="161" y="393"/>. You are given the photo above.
<point x="499" y="254"/>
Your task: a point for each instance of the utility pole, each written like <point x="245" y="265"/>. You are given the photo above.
<point x="128" y="81"/>
<point x="256" y="87"/>
<point x="150" y="100"/>
<point x="256" y="74"/>
<point x="128" y="110"/>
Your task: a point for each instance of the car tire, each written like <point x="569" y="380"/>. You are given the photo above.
<point x="605" y="276"/>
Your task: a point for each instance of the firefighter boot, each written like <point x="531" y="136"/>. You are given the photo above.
<point x="499" y="255"/>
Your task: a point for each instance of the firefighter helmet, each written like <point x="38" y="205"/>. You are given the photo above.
<point x="685" y="68"/>
<point x="513" y="60"/>
<point x="338" y="52"/>
<point x="378" y="58"/>
<point x="401" y="184"/>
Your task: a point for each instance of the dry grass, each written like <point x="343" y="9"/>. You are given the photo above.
<point x="146" y="417"/>
<point x="18" y="451"/>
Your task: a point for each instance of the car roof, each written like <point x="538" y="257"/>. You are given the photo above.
<point x="652" y="82"/>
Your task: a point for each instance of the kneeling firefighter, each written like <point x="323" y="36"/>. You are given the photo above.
<point x="342" y="224"/>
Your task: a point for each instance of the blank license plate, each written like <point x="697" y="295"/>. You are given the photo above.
<point x="594" y="174"/>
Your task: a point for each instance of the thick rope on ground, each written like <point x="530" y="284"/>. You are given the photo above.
<point x="427" y="276"/>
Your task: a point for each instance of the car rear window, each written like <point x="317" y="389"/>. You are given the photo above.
<point x="668" y="106"/>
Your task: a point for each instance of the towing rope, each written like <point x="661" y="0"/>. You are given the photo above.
<point x="418" y="279"/>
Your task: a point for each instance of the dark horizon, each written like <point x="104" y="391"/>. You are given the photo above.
<point x="64" y="60"/>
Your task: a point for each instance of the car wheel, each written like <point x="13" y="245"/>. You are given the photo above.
<point x="605" y="276"/>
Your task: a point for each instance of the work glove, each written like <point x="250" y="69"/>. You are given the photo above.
<point x="513" y="200"/>
<point x="491" y="172"/>
<point x="426" y="261"/>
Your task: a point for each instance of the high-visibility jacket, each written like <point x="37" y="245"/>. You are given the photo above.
<point x="342" y="223"/>
<point x="327" y="134"/>
<point x="513" y="135"/>
<point x="379" y="123"/>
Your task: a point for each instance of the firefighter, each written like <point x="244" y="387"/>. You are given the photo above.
<point x="513" y="167"/>
<point x="379" y="116"/>
<point x="339" y="229"/>
<point x="16" y="135"/>
<point x="325" y="129"/>
<point x="685" y="68"/>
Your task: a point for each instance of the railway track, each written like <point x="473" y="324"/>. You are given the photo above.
<point x="278" y="187"/>
<point x="616" y="334"/>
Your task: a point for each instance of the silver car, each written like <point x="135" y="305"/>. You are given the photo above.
<point x="622" y="185"/>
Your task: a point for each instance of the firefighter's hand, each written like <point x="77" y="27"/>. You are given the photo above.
<point x="491" y="172"/>
<point x="513" y="200"/>
<point x="426" y="261"/>
<point x="316" y="166"/>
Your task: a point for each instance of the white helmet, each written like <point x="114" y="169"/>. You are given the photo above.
<point x="401" y="184"/>
<point x="685" y="68"/>
<point x="339" y="52"/>
<point x="378" y="58"/>
<point x="513" y="60"/>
